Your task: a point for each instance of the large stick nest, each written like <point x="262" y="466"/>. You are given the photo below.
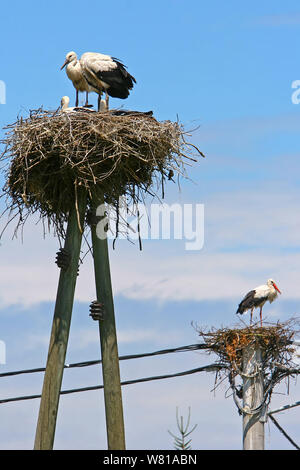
<point x="53" y="155"/>
<point x="230" y="343"/>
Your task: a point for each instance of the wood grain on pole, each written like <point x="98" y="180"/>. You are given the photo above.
<point x="253" y="392"/>
<point x="45" y="431"/>
<point x="109" y="346"/>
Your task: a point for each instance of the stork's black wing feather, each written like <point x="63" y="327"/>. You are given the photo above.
<point x="250" y="301"/>
<point x="119" y="81"/>
<point x="247" y="302"/>
<point x="124" y="72"/>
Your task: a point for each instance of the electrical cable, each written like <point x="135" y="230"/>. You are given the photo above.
<point x="209" y="368"/>
<point x="191" y="347"/>
<point x="283" y="432"/>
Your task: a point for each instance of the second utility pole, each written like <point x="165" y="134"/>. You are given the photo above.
<point x="253" y="395"/>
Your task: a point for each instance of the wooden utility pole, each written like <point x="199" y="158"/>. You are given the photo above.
<point x="45" y="431"/>
<point x="108" y="342"/>
<point x="253" y="393"/>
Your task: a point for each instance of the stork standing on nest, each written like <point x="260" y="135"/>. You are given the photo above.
<point x="258" y="297"/>
<point x="74" y="72"/>
<point x="98" y="72"/>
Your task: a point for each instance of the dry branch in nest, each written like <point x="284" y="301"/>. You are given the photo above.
<point x="51" y="156"/>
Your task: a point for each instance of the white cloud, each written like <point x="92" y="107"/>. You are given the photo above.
<point x="83" y="338"/>
<point x="248" y="236"/>
<point x="260" y="218"/>
<point x="202" y="276"/>
<point x="206" y="276"/>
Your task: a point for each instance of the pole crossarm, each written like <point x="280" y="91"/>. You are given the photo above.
<point x="284" y="408"/>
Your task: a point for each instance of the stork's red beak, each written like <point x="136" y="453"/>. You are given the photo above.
<point x="276" y="287"/>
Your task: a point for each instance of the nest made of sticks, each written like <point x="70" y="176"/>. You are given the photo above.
<point x="230" y="343"/>
<point x="53" y="155"/>
<point x="234" y="347"/>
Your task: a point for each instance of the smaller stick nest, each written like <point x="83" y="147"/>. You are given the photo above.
<point x="53" y="155"/>
<point x="276" y="344"/>
<point x="229" y="343"/>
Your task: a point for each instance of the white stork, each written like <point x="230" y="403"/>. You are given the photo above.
<point x="258" y="297"/>
<point x="74" y="72"/>
<point x="98" y="72"/>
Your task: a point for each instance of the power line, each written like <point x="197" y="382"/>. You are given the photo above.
<point x="190" y="347"/>
<point x="209" y="368"/>
<point x="283" y="432"/>
<point x="187" y="348"/>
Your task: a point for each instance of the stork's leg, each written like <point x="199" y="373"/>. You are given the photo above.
<point x="99" y="101"/>
<point x="86" y="99"/>
<point x="260" y="316"/>
<point x="106" y="100"/>
<point x="76" y="101"/>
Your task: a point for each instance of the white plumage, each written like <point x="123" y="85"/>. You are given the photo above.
<point x="74" y="72"/>
<point x="98" y="72"/>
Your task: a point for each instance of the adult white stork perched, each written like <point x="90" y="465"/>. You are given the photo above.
<point x="258" y="297"/>
<point x="98" y="72"/>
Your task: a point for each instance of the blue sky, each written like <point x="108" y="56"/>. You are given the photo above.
<point x="228" y="68"/>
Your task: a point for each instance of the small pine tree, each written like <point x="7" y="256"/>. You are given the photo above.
<point x="180" y="442"/>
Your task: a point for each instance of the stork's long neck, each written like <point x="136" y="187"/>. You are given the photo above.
<point x="74" y="69"/>
<point x="65" y="105"/>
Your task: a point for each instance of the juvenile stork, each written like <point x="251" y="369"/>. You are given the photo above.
<point x="99" y="72"/>
<point x="258" y="297"/>
<point x="64" y="106"/>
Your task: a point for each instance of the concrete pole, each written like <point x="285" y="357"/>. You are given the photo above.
<point x="253" y="392"/>
<point x="46" y="425"/>
<point x="108" y="342"/>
